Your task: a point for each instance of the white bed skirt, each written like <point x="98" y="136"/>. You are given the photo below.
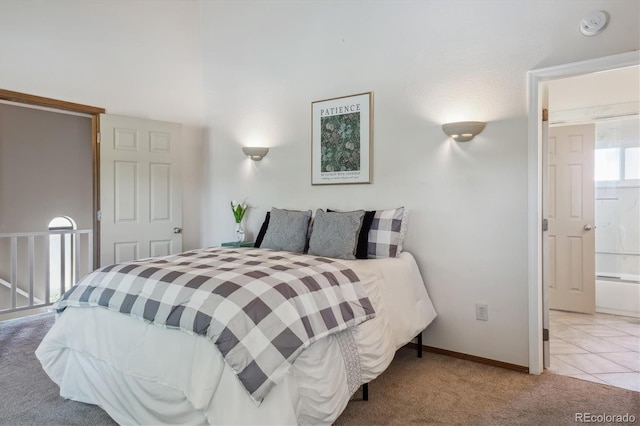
<point x="141" y="373"/>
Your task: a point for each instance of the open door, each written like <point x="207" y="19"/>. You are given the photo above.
<point x="571" y="217"/>
<point x="537" y="82"/>
<point x="140" y="189"/>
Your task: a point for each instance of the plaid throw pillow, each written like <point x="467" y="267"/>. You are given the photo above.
<point x="387" y="233"/>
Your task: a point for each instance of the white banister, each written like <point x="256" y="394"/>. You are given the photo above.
<point x="32" y="270"/>
<point x="14" y="271"/>
<point x="63" y="265"/>
<point x="25" y="266"/>
<point x="47" y="271"/>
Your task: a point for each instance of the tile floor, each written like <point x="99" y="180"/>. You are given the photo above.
<point x="601" y="348"/>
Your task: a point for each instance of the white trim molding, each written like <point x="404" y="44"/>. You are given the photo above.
<point x="535" y="84"/>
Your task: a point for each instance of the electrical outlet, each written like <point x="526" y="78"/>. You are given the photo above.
<point x="482" y="312"/>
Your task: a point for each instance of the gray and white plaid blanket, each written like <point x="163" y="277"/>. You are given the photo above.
<point x="260" y="307"/>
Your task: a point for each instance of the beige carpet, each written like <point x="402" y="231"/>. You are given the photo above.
<point x="434" y="390"/>
<point x="440" y="390"/>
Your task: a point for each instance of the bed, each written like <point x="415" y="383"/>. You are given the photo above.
<point x="141" y="372"/>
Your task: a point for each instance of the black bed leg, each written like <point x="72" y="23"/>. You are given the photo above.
<point x="365" y="392"/>
<point x="420" y="345"/>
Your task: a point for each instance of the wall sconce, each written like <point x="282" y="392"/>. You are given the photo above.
<point x="255" y="153"/>
<point x="463" y="131"/>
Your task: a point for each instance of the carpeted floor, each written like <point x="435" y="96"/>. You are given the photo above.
<point x="434" y="390"/>
<point x="440" y="390"/>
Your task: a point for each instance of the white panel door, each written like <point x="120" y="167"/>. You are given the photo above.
<point x="571" y="216"/>
<point x="140" y="189"/>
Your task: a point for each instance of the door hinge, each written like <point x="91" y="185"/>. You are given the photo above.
<point x="99" y="137"/>
<point x="545" y="225"/>
<point x="545" y="115"/>
<point x="99" y="215"/>
<point x="545" y="334"/>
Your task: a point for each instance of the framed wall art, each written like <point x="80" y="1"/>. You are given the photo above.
<point x="342" y="140"/>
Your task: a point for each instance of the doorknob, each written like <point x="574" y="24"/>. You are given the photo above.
<point x="177" y="230"/>
<point x="588" y="227"/>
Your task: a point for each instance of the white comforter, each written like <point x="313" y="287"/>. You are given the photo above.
<point x="144" y="374"/>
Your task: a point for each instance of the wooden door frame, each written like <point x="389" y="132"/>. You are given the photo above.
<point x="535" y="83"/>
<point x="94" y="113"/>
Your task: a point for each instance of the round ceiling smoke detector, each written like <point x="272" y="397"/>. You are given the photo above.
<point x="593" y="23"/>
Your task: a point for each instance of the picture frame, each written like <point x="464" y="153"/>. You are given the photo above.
<point x="342" y="140"/>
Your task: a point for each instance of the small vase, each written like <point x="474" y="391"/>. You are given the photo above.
<point x="239" y="232"/>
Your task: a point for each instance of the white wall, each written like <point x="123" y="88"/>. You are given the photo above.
<point x="427" y="63"/>
<point x="139" y="58"/>
<point x="263" y="63"/>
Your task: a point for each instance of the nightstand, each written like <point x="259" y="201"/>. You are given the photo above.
<point x="241" y="244"/>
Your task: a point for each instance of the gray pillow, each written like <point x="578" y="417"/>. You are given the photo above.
<point x="287" y="230"/>
<point x="335" y="234"/>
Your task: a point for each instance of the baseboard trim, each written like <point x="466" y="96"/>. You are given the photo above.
<point x="481" y="360"/>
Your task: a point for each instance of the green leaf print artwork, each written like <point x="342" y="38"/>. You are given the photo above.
<point x="340" y="143"/>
